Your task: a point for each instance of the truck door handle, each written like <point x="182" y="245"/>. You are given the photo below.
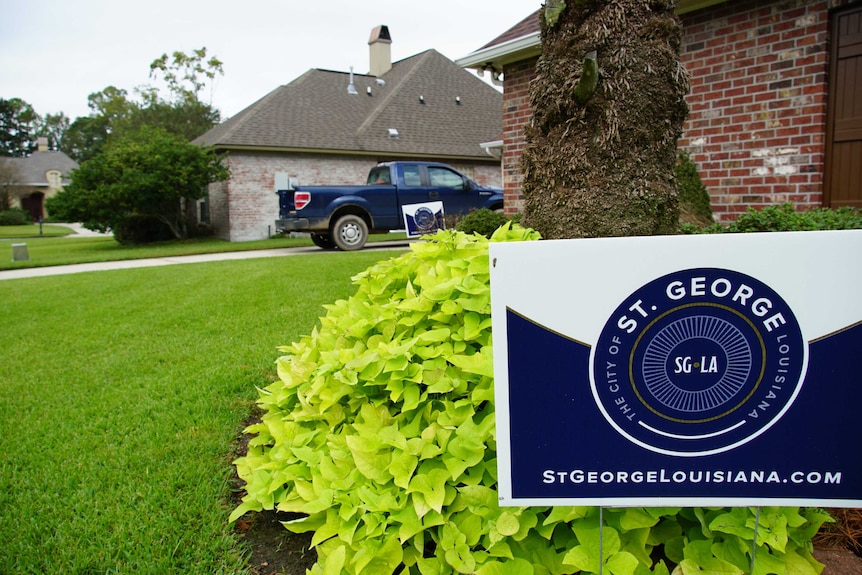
<point x="433" y="195"/>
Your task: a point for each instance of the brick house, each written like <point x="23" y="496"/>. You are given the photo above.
<point x="330" y="127"/>
<point x="33" y="179"/>
<point x="775" y="101"/>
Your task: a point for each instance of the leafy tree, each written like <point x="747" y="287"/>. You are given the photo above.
<point x="18" y="124"/>
<point x="115" y="114"/>
<point x="112" y="103"/>
<point x="184" y="113"/>
<point x="53" y="127"/>
<point x="110" y="112"/>
<point x="608" y="107"/>
<point x="85" y="137"/>
<point x="149" y="174"/>
<point x="9" y="176"/>
<point x="187" y="74"/>
<point x="188" y="119"/>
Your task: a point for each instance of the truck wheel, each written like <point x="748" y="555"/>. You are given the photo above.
<point x="350" y="232"/>
<point x="324" y="242"/>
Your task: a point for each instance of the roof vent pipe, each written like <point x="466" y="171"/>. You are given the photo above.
<point x="351" y="88"/>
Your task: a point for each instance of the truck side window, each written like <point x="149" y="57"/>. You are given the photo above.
<point x="411" y="176"/>
<point x="379" y="176"/>
<point x="443" y="178"/>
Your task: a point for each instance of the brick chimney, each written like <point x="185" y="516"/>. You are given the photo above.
<point x="42" y="144"/>
<point x="380" y="51"/>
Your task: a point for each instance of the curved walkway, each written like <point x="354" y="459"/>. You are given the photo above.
<point x="174" y="260"/>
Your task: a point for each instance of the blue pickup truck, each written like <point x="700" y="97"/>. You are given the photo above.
<point x="343" y="216"/>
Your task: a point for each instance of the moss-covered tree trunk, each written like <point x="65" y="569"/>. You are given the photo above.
<point x="608" y="107"/>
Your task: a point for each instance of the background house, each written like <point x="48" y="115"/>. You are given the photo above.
<point x="330" y="127"/>
<point x="32" y="179"/>
<point x="775" y="101"/>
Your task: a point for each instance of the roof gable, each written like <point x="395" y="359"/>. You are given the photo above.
<point x="32" y="170"/>
<point x="315" y="112"/>
<point x="522" y="41"/>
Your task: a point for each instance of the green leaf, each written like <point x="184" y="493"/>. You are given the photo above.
<point x="507" y="524"/>
<point x="767" y="564"/>
<point x="480" y="363"/>
<point x="636" y="518"/>
<point x="402" y="467"/>
<point x="796" y="564"/>
<point x="431" y="487"/>
<point x="586" y="555"/>
<point x="514" y="567"/>
<point x="478" y="498"/>
<point x="622" y="563"/>
<point x="334" y="564"/>
<point x="371" y="463"/>
<point x="700" y="560"/>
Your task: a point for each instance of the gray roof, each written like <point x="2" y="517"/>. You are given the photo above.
<point x="315" y="112"/>
<point x="32" y="169"/>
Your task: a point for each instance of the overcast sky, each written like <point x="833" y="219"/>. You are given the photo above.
<point x="54" y="53"/>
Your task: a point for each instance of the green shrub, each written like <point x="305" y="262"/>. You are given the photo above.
<point x="142" y="230"/>
<point x="785" y="218"/>
<point x="14" y="217"/>
<point x="483" y="222"/>
<point x="381" y="433"/>
<point x="694" y="202"/>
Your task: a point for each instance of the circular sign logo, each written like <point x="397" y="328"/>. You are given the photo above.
<point x="425" y="220"/>
<point x="698" y="362"/>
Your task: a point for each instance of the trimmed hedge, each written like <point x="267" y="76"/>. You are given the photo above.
<point x="483" y="221"/>
<point x="14" y="217"/>
<point x="785" y="218"/>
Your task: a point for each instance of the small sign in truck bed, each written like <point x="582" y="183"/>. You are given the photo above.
<point x="343" y="216"/>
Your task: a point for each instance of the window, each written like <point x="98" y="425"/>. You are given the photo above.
<point x="54" y="178"/>
<point x="412" y="176"/>
<point x="443" y="178"/>
<point x="379" y="176"/>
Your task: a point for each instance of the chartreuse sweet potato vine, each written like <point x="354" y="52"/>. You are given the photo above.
<point x="380" y="431"/>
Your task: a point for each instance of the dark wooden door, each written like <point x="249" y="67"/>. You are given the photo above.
<point x="34" y="203"/>
<point x="843" y="178"/>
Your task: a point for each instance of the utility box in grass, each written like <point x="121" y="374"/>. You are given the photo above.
<point x="19" y="253"/>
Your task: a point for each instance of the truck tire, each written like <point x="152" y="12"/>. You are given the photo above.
<point x="322" y="241"/>
<point x="350" y="232"/>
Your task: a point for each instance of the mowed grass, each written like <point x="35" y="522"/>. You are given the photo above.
<point x="33" y="231"/>
<point x="121" y="393"/>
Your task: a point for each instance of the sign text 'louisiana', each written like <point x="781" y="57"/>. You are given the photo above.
<point x="690" y="370"/>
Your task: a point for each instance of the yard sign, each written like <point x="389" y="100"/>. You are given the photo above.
<point x="692" y="370"/>
<point x="421" y="219"/>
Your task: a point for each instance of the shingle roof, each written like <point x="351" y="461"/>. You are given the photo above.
<point x="527" y="26"/>
<point x="523" y="41"/>
<point x="32" y="169"/>
<point x="316" y="112"/>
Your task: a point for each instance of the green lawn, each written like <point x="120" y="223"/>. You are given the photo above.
<point x="33" y="231"/>
<point x="53" y="251"/>
<point x="120" y="395"/>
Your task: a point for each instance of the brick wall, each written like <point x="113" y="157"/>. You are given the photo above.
<point x="516" y="114"/>
<point x="758" y="104"/>
<point x="758" y="99"/>
<point x="245" y="208"/>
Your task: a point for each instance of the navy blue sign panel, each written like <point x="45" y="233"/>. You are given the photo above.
<point x="677" y="384"/>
